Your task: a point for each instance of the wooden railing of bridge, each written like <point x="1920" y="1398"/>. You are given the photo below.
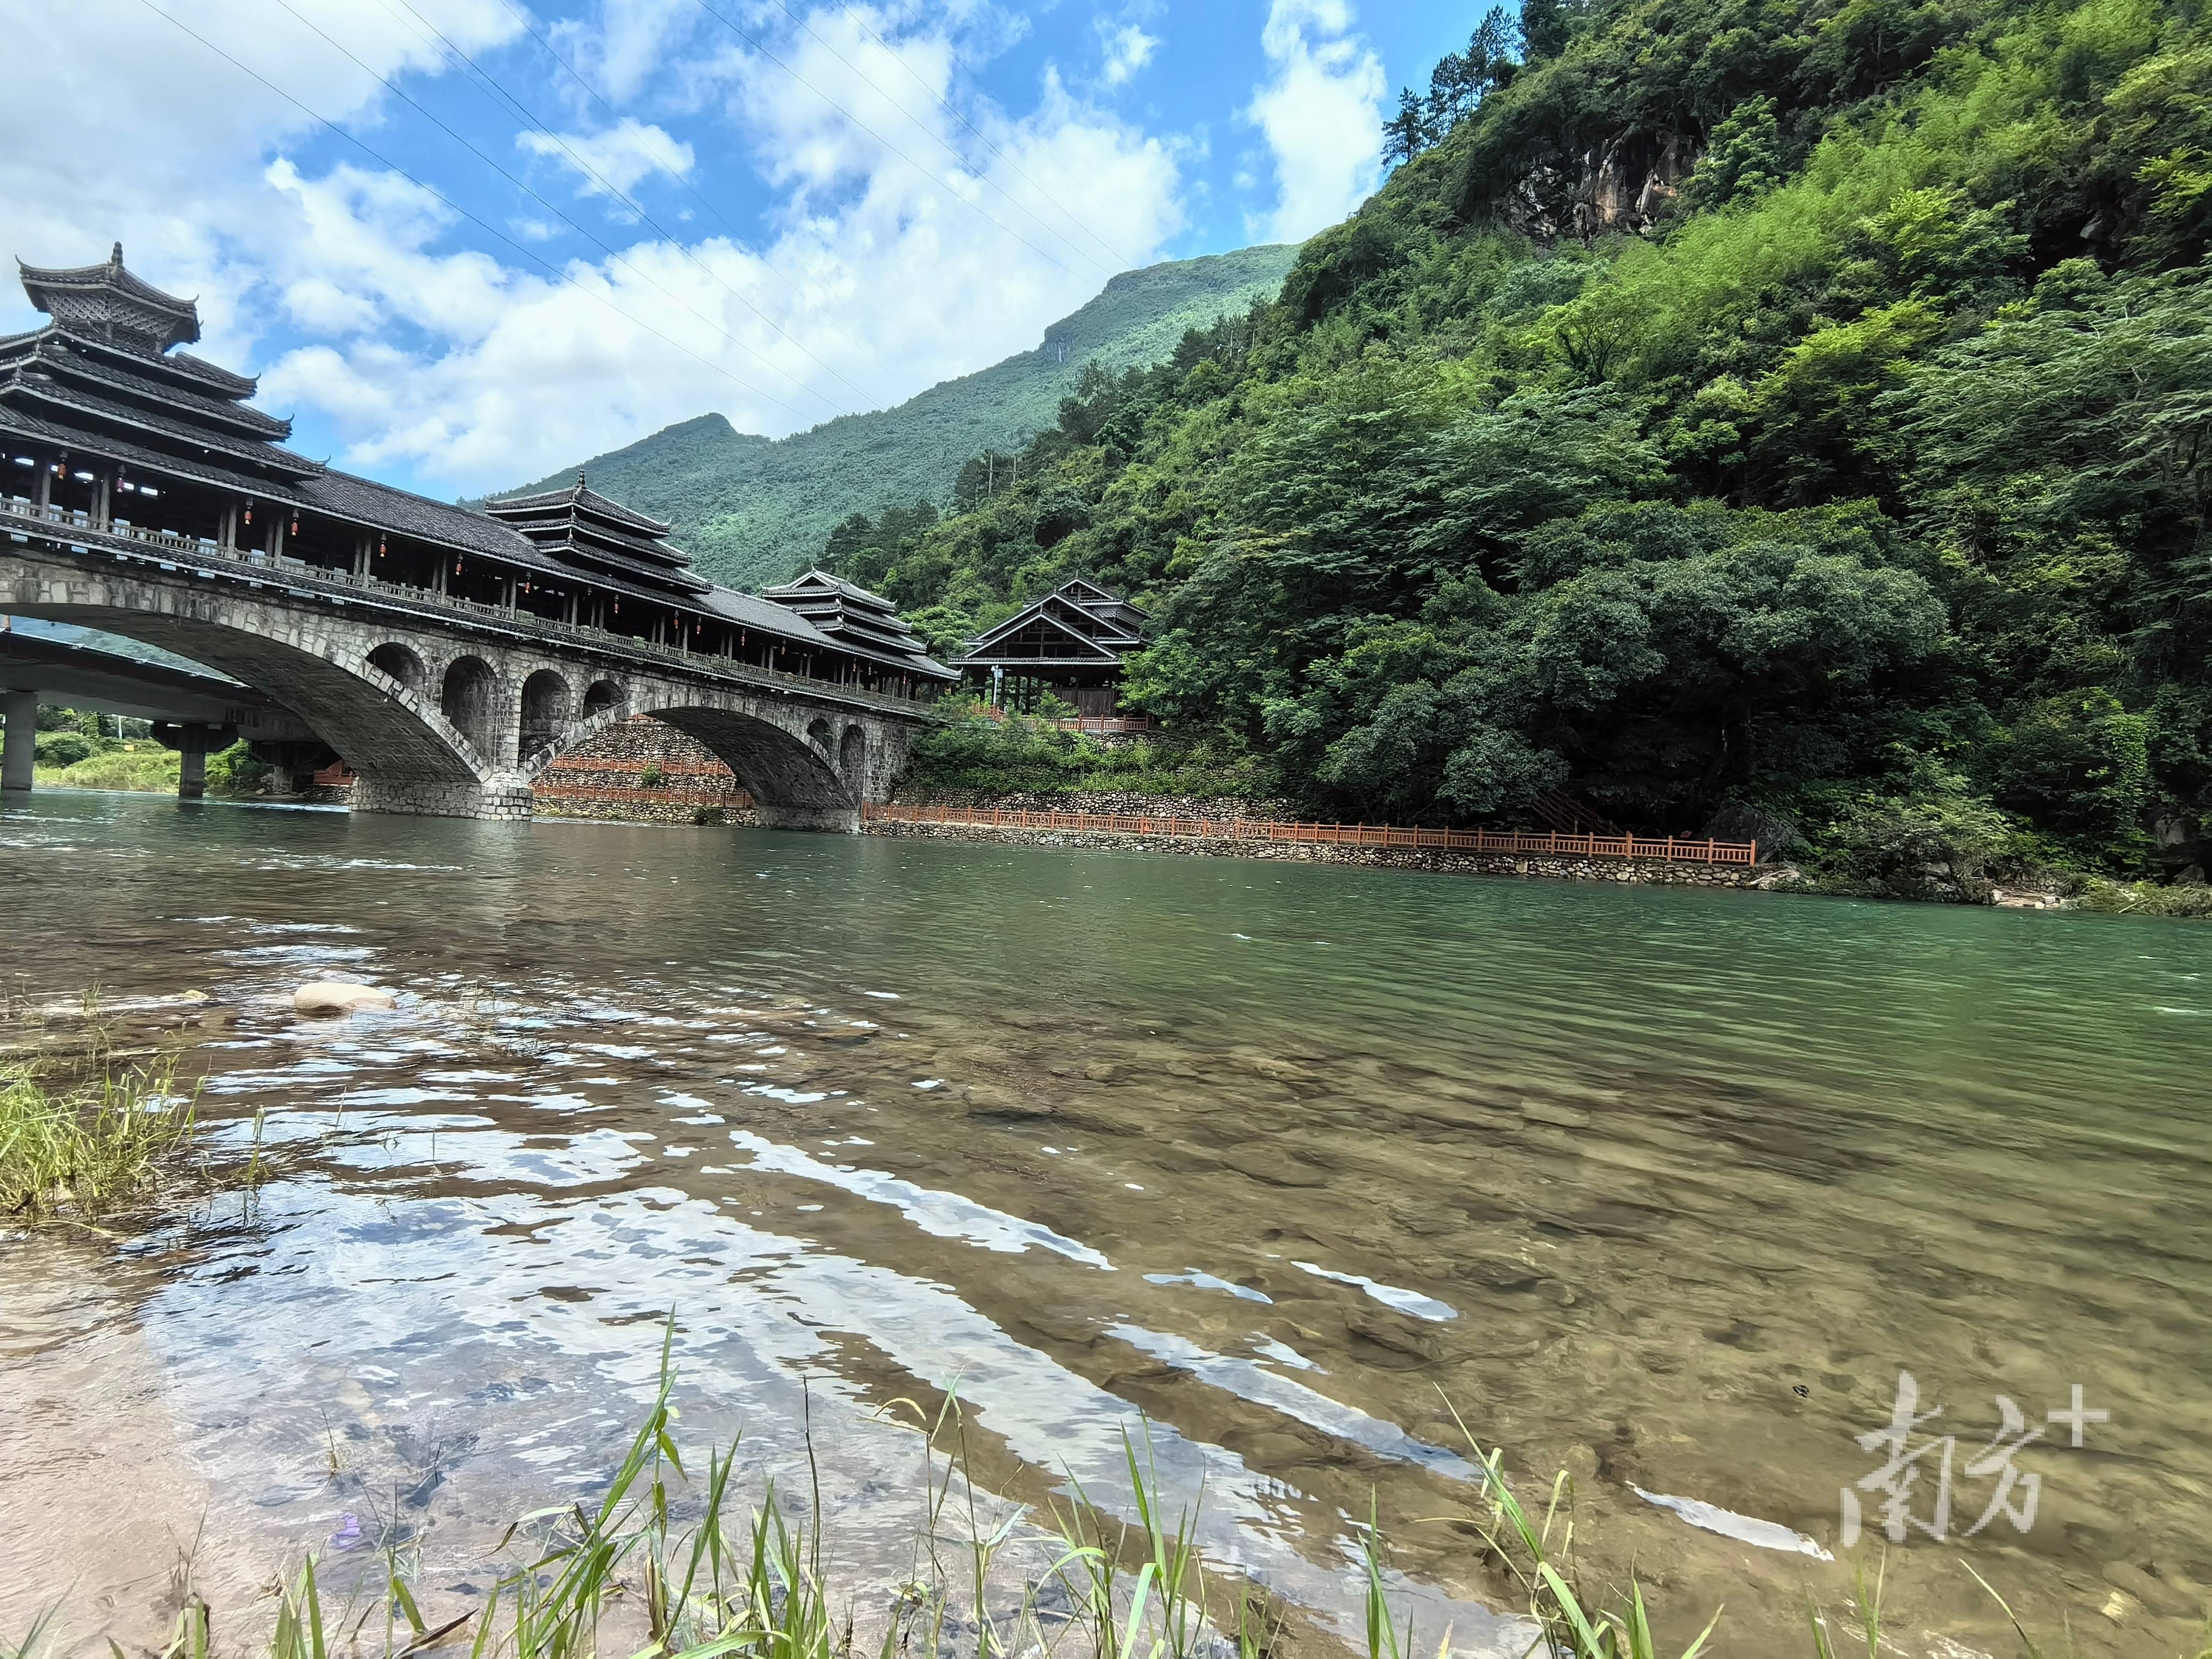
<point x="206" y="558"/>
<point x="1669" y="848"/>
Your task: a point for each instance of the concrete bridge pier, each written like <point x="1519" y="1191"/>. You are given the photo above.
<point x="21" y="709"/>
<point x="193" y="742"/>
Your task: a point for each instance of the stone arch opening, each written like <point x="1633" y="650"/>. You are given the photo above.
<point x="852" y="759"/>
<point x="823" y="734"/>
<point x="600" y="694"/>
<point x="793" y="782"/>
<point x="470" y="700"/>
<point x="545" y="711"/>
<point x="380" y="737"/>
<point x="402" y="664"/>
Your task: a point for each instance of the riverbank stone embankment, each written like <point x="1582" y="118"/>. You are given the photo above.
<point x="1650" y="872"/>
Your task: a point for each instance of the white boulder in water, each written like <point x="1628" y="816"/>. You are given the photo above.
<point x="332" y="996"/>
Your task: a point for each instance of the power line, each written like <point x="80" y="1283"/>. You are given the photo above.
<point x="399" y="92"/>
<point x="537" y="123"/>
<point x="529" y="26"/>
<point x="489" y="229"/>
<point x="1123" y="262"/>
<point x="938" y="140"/>
<point x="974" y="207"/>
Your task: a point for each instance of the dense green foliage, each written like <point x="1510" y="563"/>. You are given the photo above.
<point x="973" y="752"/>
<point x="1796" y="413"/>
<point x="753" y="512"/>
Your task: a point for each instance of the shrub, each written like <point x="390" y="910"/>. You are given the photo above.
<point x="146" y="767"/>
<point x="1934" y="840"/>
<point x="65" y="748"/>
<point x="234" y="771"/>
<point x="2144" y="899"/>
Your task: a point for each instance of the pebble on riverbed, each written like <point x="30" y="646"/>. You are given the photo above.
<point x="332" y="996"/>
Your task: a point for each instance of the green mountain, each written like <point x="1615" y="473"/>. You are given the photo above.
<point x="753" y="510"/>
<point x="1755" y="416"/>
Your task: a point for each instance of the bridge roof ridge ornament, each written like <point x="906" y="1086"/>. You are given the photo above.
<point x="109" y="303"/>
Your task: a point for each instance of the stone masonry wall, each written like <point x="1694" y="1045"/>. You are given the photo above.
<point x="1654" y="872"/>
<point x="605" y="778"/>
<point x="1180" y="806"/>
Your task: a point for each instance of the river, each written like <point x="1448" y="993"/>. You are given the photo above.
<point x="1266" y="1162"/>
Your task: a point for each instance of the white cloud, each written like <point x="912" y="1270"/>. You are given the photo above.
<point x="900" y="250"/>
<point x="1128" y="50"/>
<point x="905" y="251"/>
<point x="615" y="160"/>
<point x="1320" y="113"/>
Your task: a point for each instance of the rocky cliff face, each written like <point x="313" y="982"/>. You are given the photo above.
<point x="1622" y="185"/>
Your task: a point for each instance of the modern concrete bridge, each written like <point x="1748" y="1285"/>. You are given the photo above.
<point x="447" y="656"/>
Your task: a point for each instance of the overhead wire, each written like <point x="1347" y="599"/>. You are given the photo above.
<point x="482" y="224"/>
<point x="401" y="93"/>
<point x="975" y="207"/>
<point x="536" y="122"/>
<point x="1122" y="261"/>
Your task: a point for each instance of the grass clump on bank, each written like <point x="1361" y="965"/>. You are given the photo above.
<point x="86" y="1130"/>
<point x="68" y="761"/>
<point x="2144" y="898"/>
<point x="627" y="1574"/>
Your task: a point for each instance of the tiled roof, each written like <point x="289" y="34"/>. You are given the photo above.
<point x="53" y="353"/>
<point x="24" y="381"/>
<point x="108" y="297"/>
<point x="577" y="496"/>
<point x="588" y="558"/>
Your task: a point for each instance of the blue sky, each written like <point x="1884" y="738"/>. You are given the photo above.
<point x="466" y="241"/>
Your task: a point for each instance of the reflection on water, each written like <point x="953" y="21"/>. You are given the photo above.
<point x="1661" y="1187"/>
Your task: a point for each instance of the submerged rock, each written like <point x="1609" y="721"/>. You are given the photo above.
<point x="332" y="996"/>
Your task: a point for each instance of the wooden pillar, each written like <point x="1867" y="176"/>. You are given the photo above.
<point x="226" y="535"/>
<point x="103" y="499"/>
<point x="361" y="554"/>
<point x="44" y="496"/>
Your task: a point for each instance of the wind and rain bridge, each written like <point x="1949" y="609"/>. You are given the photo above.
<point x="447" y="656"/>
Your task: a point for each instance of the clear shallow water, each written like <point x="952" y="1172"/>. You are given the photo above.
<point x="1663" y="1187"/>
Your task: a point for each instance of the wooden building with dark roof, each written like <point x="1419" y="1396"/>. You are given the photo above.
<point x="1071" y="643"/>
<point x="105" y="423"/>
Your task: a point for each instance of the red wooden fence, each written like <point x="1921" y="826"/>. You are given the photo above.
<point x="1668" y="848"/>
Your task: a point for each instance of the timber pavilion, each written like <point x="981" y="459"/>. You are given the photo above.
<point x="1070" y="643"/>
<point x="105" y="424"/>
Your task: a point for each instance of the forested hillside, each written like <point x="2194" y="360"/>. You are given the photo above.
<point x="1795" y="412"/>
<point x="753" y="511"/>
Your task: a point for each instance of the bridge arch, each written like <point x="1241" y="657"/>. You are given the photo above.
<point x="602" y="695"/>
<point x="852" y="760"/>
<point x="791" y="780"/>
<point x="380" y="727"/>
<point x="403" y="663"/>
<point x="469" y="698"/>
<point x="545" y="714"/>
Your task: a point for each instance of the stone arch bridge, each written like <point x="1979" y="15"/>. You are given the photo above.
<point x="444" y="707"/>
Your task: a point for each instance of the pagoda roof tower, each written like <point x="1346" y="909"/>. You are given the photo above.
<point x="110" y="304"/>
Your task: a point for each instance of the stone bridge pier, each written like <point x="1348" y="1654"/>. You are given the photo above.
<point x="456" y="716"/>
